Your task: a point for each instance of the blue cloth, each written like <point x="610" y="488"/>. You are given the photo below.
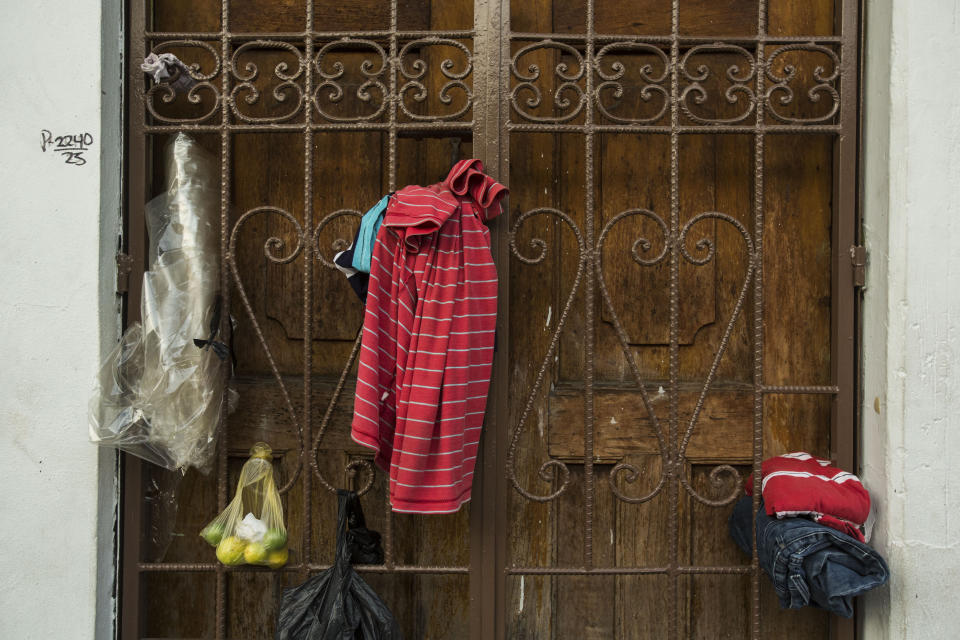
<point x="809" y="563"/>
<point x="367" y="235"/>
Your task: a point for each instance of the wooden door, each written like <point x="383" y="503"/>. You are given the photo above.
<point x="677" y="232"/>
<point x="676" y="299"/>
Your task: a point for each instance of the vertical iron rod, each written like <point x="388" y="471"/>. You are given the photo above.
<point x="590" y="332"/>
<point x="844" y="313"/>
<point x="388" y="559"/>
<point x="226" y="68"/>
<point x="309" y="256"/>
<point x="499" y="82"/>
<point x="758" y="379"/>
<point x="671" y="462"/>
<point x="131" y="614"/>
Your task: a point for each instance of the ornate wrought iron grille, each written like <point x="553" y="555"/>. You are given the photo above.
<point x="589" y="78"/>
<point x="490" y="90"/>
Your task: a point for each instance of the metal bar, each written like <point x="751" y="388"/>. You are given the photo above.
<point x="626" y="571"/>
<point x="590" y="330"/>
<point x="306" y="438"/>
<point x="467" y="34"/>
<point x="844" y="236"/>
<point x="391" y="186"/>
<point x="207" y="567"/>
<point x="670" y="464"/>
<point x="137" y="166"/>
<point x="843" y="326"/>
<point x="854" y="628"/>
<point x="131" y="596"/>
<point x="758" y="206"/>
<point x="480" y="577"/>
<point x="410" y="129"/>
<point x="134" y="235"/>
<point x="198" y="567"/>
<point x="498" y="80"/>
<point x="486" y="578"/>
<point x="668" y="40"/>
<point x="446" y="127"/>
<point x="392" y="123"/>
<point x="298" y="36"/>
<point x="225" y="159"/>
<point x="794" y="389"/>
<point x="680" y="129"/>
<point x="465" y="128"/>
<point x="652" y="385"/>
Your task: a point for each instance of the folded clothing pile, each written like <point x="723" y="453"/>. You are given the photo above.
<point x="798" y="484"/>
<point x="809" y="563"/>
<point x="808" y="533"/>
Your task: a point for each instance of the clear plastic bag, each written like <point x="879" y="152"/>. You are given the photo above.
<point x="160" y="392"/>
<point x="250" y="530"/>
<point x="161" y="507"/>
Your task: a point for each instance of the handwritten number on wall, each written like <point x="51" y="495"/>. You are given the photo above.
<point x="70" y="147"/>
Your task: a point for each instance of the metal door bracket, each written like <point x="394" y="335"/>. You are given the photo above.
<point x="858" y="260"/>
<point x="124" y="268"/>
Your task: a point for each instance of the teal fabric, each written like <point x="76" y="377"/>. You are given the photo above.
<point x="367" y="235"/>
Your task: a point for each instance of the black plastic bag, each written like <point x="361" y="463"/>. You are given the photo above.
<point x="336" y="604"/>
<point x="364" y="544"/>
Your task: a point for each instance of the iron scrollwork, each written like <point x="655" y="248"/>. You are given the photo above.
<point x="372" y="90"/>
<point x="739" y="83"/>
<point x="706" y="244"/>
<point x="359" y="465"/>
<point x="612" y="79"/>
<point x="529" y="88"/>
<point x="288" y="86"/>
<point x="568" y="96"/>
<point x="824" y="83"/>
<point x="696" y="78"/>
<point x="202" y="85"/>
<point x="413" y="69"/>
<point x="591" y="264"/>
<point x="552" y="469"/>
<point x="626" y="470"/>
<point x="275" y="249"/>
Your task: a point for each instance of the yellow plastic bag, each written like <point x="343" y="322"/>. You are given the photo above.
<point x="250" y="530"/>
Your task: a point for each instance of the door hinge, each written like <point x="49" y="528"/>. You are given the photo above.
<point x="858" y="260"/>
<point x="124" y="268"/>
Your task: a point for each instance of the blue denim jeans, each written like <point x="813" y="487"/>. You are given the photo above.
<point x="809" y="563"/>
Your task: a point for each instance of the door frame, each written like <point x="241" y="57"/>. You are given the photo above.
<point x="491" y="125"/>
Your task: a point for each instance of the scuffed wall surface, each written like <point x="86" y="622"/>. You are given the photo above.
<point x="911" y="441"/>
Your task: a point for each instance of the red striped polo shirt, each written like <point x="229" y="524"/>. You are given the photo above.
<point x="798" y="484"/>
<point x="428" y="337"/>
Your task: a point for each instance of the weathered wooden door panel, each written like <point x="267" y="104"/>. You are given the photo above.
<point x="674" y="299"/>
<point x="291" y="202"/>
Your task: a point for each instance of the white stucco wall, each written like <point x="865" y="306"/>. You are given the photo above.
<point x="911" y="441"/>
<point x="56" y="302"/>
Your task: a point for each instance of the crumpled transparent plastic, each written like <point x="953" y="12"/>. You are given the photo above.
<point x="161" y="507"/>
<point x="250" y="530"/>
<point x="160" y="394"/>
